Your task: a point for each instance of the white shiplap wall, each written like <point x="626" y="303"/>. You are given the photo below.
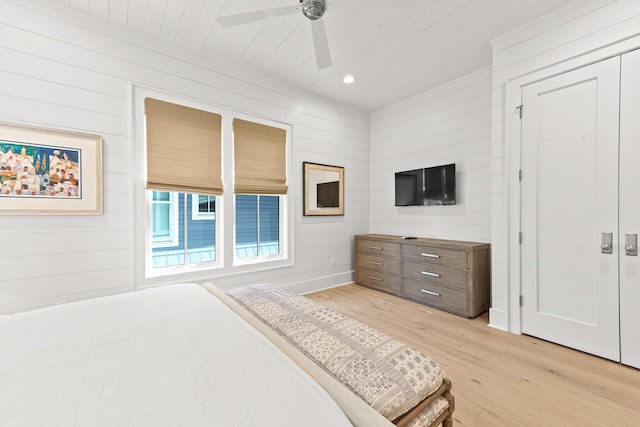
<point x="448" y="124"/>
<point x="575" y="35"/>
<point x="66" y="71"/>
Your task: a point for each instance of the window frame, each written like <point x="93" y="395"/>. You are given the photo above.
<point x="196" y="215"/>
<point x="224" y="266"/>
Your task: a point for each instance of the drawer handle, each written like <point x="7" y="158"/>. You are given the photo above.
<point x="426" y="273"/>
<point x="375" y="263"/>
<point x="379" y="279"/>
<point x="435" y="294"/>
<point x="430" y="255"/>
<point x="376" y="247"/>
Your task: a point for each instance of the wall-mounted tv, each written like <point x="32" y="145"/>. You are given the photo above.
<point x="429" y="186"/>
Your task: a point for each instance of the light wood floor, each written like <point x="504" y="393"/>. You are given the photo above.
<point x="501" y="379"/>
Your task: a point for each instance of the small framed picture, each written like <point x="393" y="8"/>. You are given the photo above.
<point x="323" y="189"/>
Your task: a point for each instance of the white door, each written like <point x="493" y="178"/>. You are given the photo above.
<point x="630" y="208"/>
<point x="569" y="197"/>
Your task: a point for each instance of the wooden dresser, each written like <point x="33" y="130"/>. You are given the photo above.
<point x="449" y="275"/>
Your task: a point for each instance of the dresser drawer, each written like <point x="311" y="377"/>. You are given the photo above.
<point x="434" y="274"/>
<point x="378" y="247"/>
<point x="379" y="263"/>
<point x="448" y="299"/>
<point x="380" y="281"/>
<point x="431" y="254"/>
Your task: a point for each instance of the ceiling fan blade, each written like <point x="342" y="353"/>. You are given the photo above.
<point x="372" y="4"/>
<point x="321" y="44"/>
<point x="256" y="15"/>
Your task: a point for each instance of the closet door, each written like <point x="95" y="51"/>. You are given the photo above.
<point x="630" y="208"/>
<point x="569" y="197"/>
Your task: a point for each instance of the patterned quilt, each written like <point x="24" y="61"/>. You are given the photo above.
<point x="389" y="375"/>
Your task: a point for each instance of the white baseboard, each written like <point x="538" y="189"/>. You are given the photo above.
<point x="498" y="319"/>
<point x="321" y="283"/>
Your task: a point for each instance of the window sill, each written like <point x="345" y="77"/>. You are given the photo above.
<point x="202" y="273"/>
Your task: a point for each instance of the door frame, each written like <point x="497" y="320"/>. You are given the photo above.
<point x="513" y="161"/>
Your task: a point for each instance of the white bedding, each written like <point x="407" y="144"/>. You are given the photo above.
<point x="168" y="356"/>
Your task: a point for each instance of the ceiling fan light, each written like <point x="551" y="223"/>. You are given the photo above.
<point x="314" y="9"/>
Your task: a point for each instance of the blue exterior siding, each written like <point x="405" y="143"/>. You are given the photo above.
<point x="269" y="218"/>
<point x="200" y="233"/>
<point x="246" y="219"/>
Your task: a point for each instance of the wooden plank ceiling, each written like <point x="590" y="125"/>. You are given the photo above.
<point x="393" y="53"/>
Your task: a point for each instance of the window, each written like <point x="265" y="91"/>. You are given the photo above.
<point x="203" y="207"/>
<point x="209" y="212"/>
<point x="194" y="241"/>
<point x="260" y="184"/>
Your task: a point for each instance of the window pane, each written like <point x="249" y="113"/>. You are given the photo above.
<point x="257" y="226"/>
<point x="185" y="240"/>
<point x="269" y="225"/>
<point x="246" y="226"/>
<point x="200" y="234"/>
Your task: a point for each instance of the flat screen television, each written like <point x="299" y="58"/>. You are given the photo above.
<point x="429" y="186"/>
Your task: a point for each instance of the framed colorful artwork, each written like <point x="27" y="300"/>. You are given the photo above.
<point x="47" y="171"/>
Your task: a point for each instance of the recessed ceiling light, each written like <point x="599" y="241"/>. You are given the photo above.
<point x="348" y="79"/>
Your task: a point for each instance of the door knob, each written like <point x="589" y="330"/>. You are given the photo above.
<point x="631" y="244"/>
<point x="606" y="243"/>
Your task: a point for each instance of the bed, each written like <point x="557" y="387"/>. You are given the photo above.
<point x="167" y="356"/>
<point x="178" y="355"/>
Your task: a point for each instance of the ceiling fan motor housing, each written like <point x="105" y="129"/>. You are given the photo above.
<point x="313" y="9"/>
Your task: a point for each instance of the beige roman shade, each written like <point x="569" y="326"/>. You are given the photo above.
<point x="183" y="148"/>
<point x="260" y="154"/>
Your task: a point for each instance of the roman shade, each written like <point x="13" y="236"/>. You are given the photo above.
<point x="260" y="155"/>
<point x="183" y="148"/>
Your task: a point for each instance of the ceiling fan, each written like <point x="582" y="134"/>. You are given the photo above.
<point x="314" y="10"/>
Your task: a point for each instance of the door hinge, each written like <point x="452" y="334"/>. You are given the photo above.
<point x="520" y="108"/>
<point x="520" y="237"/>
<point x="520" y="175"/>
<point x="521" y="300"/>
